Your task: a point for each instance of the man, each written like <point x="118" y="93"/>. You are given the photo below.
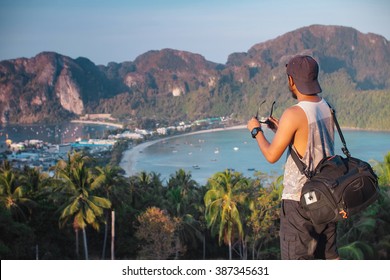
<point x="308" y="127"/>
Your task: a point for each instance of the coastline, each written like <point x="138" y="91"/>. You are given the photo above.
<point x="98" y="123"/>
<point x="130" y="156"/>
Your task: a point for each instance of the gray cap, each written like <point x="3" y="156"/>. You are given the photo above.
<point x="304" y="71"/>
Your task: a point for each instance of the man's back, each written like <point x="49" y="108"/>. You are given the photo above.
<point x="315" y="139"/>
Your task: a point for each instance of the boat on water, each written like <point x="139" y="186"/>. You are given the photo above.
<point x="196" y="167"/>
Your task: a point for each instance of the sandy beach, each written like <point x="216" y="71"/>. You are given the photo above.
<point x="98" y="123"/>
<point x="130" y="156"/>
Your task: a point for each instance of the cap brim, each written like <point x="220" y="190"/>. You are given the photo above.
<point x="308" y="88"/>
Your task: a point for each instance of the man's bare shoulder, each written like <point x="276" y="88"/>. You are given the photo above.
<point x="293" y="114"/>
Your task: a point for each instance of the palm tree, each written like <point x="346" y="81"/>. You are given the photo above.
<point x="147" y="190"/>
<point x="182" y="190"/>
<point x="383" y="170"/>
<point x="34" y="180"/>
<point x="264" y="215"/>
<point x="222" y="202"/>
<point x="181" y="198"/>
<point x="81" y="206"/>
<point x="113" y="184"/>
<point x="184" y="181"/>
<point x="12" y="196"/>
<point x="5" y="165"/>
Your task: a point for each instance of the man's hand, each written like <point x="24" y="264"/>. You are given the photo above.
<point x="273" y="123"/>
<point x="252" y="123"/>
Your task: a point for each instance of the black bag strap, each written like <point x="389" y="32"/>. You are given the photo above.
<point x="302" y="166"/>
<point x="344" y="148"/>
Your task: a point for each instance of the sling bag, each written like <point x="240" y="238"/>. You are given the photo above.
<point x="338" y="187"/>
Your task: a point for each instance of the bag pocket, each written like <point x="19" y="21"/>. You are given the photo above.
<point x="359" y="185"/>
<point x="318" y="203"/>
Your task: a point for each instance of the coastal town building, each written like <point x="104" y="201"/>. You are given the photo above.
<point x="162" y="130"/>
<point x="144" y="132"/>
<point x="127" y="135"/>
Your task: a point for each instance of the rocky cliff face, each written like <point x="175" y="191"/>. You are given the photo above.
<point x="53" y="87"/>
<point x="68" y="93"/>
<point x="29" y="86"/>
<point x="366" y="57"/>
<point x="48" y="87"/>
<point x="176" y="72"/>
<point x="166" y="73"/>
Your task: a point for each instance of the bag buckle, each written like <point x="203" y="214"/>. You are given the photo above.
<point x="343" y="214"/>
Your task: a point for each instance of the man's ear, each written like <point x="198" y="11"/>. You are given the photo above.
<point x="290" y="81"/>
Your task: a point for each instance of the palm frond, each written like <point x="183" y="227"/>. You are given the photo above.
<point x="357" y="250"/>
<point x="100" y="202"/>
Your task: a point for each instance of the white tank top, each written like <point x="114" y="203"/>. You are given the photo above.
<point x="320" y="144"/>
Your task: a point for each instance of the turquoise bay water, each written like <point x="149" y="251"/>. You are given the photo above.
<point x="207" y="153"/>
<point x="201" y="154"/>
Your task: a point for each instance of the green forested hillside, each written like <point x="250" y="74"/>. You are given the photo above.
<point x="364" y="109"/>
<point x="368" y="109"/>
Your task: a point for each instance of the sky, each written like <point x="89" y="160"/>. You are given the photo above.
<point x="120" y="30"/>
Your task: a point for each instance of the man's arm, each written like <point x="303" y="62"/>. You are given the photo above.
<point x="290" y="122"/>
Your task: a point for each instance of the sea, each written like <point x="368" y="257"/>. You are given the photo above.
<point x="202" y="154"/>
<point x="208" y="153"/>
